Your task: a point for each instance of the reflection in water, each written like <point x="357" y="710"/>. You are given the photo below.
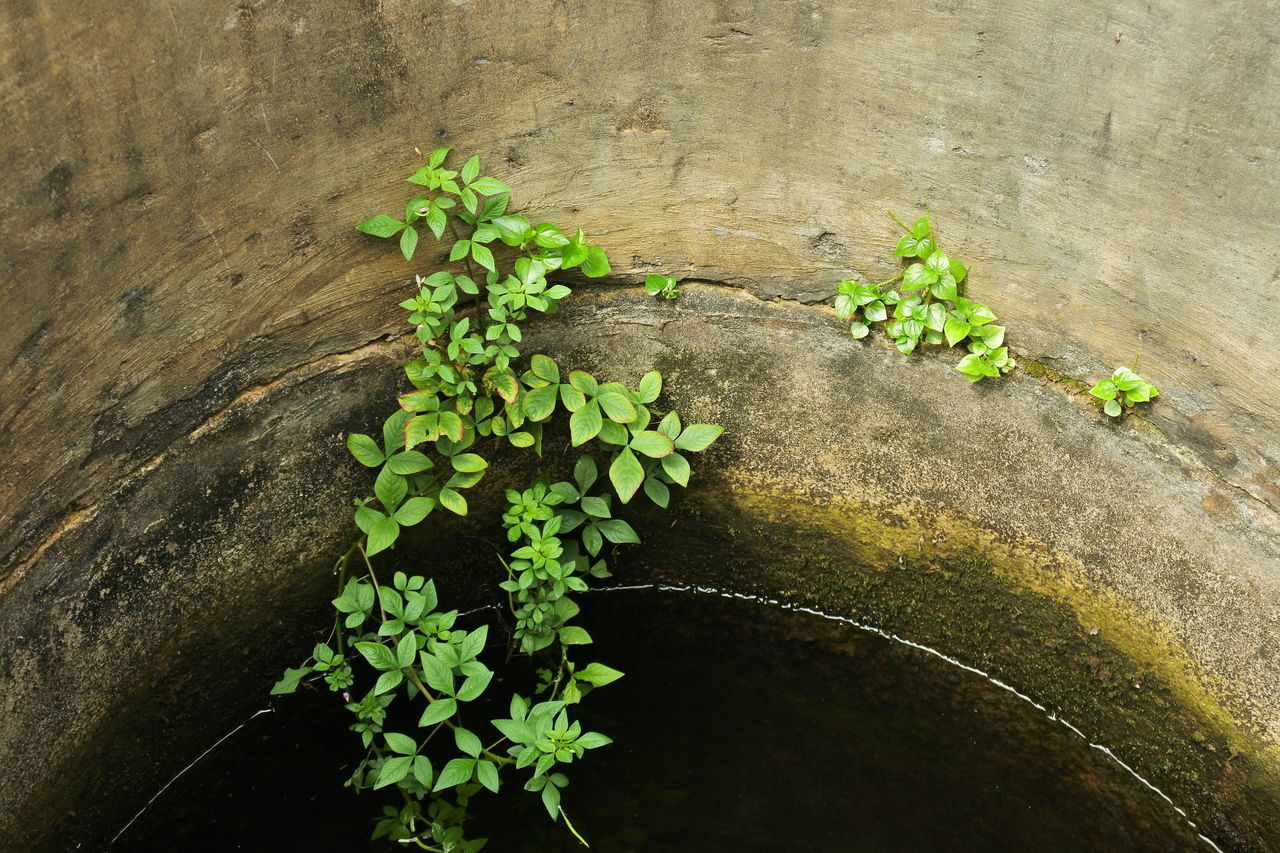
<point x="739" y="727"/>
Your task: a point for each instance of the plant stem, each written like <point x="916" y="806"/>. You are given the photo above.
<point x="899" y="221"/>
<point x="377" y="589"/>
<point x="572" y="829"/>
<point x="466" y="259"/>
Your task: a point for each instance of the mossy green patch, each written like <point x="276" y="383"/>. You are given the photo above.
<point x="1008" y="605"/>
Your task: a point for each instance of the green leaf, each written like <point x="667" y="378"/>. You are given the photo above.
<point x="596" y="506"/>
<point x="453" y="501"/>
<point x="400" y="743"/>
<point x="414" y="510"/>
<point x="393" y="431"/>
<point x="592" y="740"/>
<point x="422" y="770"/>
<point x="407" y="649"/>
<point x="381" y="535"/>
<point x="677" y="468"/>
<point x="572" y="635"/>
<point x="436" y="673"/>
<point x="390" y="488"/>
<point x="393" y="770"/>
<point x="1104" y="390"/>
<point x="456" y="772"/>
<point x="697" y="437"/>
<point x="489" y="186"/>
<point x="483" y="256"/>
<point x="584" y="382"/>
<point x="597" y="674"/>
<point x="572" y="398"/>
<point x="650" y="386"/>
<point x="935" y="316"/>
<point x="438" y="711"/>
<point x="592" y="540"/>
<point x="471" y="169"/>
<point x="408" y="242"/>
<point x="1113" y="408"/>
<point x="859" y="330"/>
<point x="365" y="450"/>
<point x="980" y="314"/>
<point x="652" y="444"/>
<point x="618" y="531"/>
<point x="437" y="221"/>
<point x="657" y="491"/>
<point x="379" y="656"/>
<point x="517" y="731"/>
<point x="596" y="264"/>
<point x="626" y="474"/>
<point x="451" y="425"/>
<point x="541" y="402"/>
<point x="408" y="462"/>
<point x="289" y="682"/>
<point x="475" y="685"/>
<point x="381" y="226"/>
<point x="388" y="681"/>
<point x="617" y="407"/>
<point x="419" y="401"/>
<point x="544" y="368"/>
<point x="487" y="774"/>
<point x="585" y="423"/>
<point x="436" y="157"/>
<point x="467" y="742"/>
<point x="917" y="276"/>
<point x="955" y="330"/>
<point x="551" y="800"/>
<point x="468" y="462"/>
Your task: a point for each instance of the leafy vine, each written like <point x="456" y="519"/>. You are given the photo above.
<point x="470" y="393"/>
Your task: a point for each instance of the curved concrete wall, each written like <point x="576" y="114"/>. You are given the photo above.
<point x="178" y="247"/>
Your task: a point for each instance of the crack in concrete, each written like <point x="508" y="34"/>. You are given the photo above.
<point x="377" y="346"/>
<point x="342" y="359"/>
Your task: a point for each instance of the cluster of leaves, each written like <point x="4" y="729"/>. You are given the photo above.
<point x="470" y="395"/>
<point x="661" y="285"/>
<point x="931" y="307"/>
<point x="1122" y="390"/>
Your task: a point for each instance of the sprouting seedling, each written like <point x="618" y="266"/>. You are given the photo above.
<point x="661" y="285"/>
<point x="1123" y="389"/>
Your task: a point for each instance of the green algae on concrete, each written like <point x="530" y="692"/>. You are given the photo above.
<point x="1010" y="607"/>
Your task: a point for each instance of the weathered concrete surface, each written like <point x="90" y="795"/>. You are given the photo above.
<point x="186" y="174"/>
<point x="1010" y="524"/>
<point x="178" y="239"/>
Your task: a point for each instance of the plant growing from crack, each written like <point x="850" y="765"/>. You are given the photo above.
<point x="405" y="667"/>
<point x="665" y="286"/>
<point x="1122" y="390"/>
<point x="931" y="308"/>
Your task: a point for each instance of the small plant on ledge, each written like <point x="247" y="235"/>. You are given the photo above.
<point x="403" y="664"/>
<point x="932" y="307"/>
<point x="661" y="285"/>
<point x="1123" y="390"/>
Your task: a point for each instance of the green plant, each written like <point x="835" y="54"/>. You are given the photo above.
<point x="661" y="285"/>
<point x="416" y="667"/>
<point x="1122" y="390"/>
<point x="932" y="307"/>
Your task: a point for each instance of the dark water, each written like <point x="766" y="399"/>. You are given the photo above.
<point x="739" y="727"/>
